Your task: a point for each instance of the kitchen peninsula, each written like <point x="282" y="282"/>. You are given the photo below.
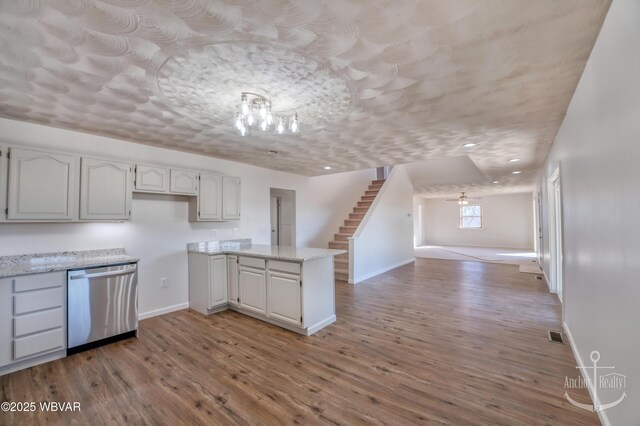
<point x="292" y="287"/>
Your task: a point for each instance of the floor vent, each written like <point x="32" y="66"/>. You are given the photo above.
<point x="539" y="277"/>
<point x="555" y="337"/>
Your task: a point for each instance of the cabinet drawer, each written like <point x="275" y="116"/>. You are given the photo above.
<point x="291" y="267"/>
<point x="38" y="343"/>
<point x="38" y="281"/>
<point x="252" y="261"/>
<point x="36" y="322"/>
<point x="37" y="300"/>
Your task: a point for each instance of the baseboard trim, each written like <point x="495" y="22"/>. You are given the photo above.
<point x="321" y="325"/>
<point x="381" y="271"/>
<point x="602" y="415"/>
<point x="163" y="311"/>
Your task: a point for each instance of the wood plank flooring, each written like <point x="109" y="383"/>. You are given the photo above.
<point x="435" y="342"/>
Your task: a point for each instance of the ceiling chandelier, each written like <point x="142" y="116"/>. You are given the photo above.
<point x="255" y="112"/>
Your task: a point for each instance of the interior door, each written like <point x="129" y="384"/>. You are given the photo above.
<point x="558" y="237"/>
<point x="275" y="220"/>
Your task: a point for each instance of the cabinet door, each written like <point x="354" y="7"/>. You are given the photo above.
<point x="232" y="278"/>
<point x="105" y="189"/>
<point x="4" y="175"/>
<point x="184" y="182"/>
<point x="253" y="289"/>
<point x="230" y="197"/>
<point x="6" y="318"/>
<point x="210" y="197"/>
<point x="41" y="185"/>
<point x="284" y="297"/>
<point x="217" y="280"/>
<point x="151" y="178"/>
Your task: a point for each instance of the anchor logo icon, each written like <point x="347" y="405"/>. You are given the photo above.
<point x="616" y="379"/>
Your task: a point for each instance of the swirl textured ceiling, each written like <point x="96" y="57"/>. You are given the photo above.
<point x="204" y="83"/>
<point x="386" y="81"/>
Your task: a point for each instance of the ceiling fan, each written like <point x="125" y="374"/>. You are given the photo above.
<point x="463" y="200"/>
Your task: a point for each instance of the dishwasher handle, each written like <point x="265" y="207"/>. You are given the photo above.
<point x="128" y="271"/>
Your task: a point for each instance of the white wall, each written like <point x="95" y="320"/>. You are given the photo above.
<point x="384" y="239"/>
<point x="507" y="222"/>
<point x="418" y="220"/>
<point x="598" y="150"/>
<point x="159" y="229"/>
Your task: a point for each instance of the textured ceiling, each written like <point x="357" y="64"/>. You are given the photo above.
<point x="405" y="80"/>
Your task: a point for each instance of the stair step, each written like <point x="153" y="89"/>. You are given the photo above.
<point x="344" y="256"/>
<point x="340" y="245"/>
<point x="356" y="216"/>
<point x="352" y="222"/>
<point x="341" y="263"/>
<point x="371" y="192"/>
<point x="364" y="203"/>
<point x="340" y="236"/>
<point x="348" y="229"/>
<point x="368" y="198"/>
<point x="378" y="182"/>
<point x="360" y="210"/>
<point x="342" y="277"/>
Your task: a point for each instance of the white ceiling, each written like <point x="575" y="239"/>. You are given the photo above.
<point x="376" y="82"/>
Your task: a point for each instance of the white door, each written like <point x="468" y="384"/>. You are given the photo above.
<point x="210" y="197"/>
<point x="184" y="182"/>
<point x="218" y="286"/>
<point x="105" y="189"/>
<point x="558" y="241"/>
<point x="253" y="289"/>
<point x="230" y="197"/>
<point x="151" y="178"/>
<point x="42" y="186"/>
<point x="555" y="235"/>
<point x="232" y="277"/>
<point x="284" y="297"/>
<point x="275" y="220"/>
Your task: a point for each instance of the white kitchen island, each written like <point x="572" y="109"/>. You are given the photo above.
<point x="292" y="287"/>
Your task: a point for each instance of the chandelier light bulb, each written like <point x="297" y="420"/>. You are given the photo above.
<point x="293" y="125"/>
<point x="251" y="120"/>
<point x="263" y="125"/>
<point x="242" y="130"/>
<point x="280" y="127"/>
<point x="244" y="105"/>
<point x="238" y="121"/>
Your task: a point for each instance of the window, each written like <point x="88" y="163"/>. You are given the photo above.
<point x="471" y="216"/>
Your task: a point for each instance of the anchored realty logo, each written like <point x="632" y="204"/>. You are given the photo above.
<point x="599" y="381"/>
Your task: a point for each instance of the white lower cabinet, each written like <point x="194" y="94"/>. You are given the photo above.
<point x="284" y="297"/>
<point x="33" y="317"/>
<point x="218" y="286"/>
<point x="232" y="279"/>
<point x="252" y="283"/>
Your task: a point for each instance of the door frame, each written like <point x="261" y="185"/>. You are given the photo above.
<point x="556" y="259"/>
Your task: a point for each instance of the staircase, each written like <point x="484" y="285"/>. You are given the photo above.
<point x="341" y="239"/>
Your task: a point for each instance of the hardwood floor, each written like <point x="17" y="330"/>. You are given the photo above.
<point x="438" y="342"/>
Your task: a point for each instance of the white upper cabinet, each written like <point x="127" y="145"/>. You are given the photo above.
<point x="210" y="197"/>
<point x="105" y="189"/>
<point x="184" y="182"/>
<point x="151" y="178"/>
<point x="42" y="185"/>
<point x="230" y="197"/>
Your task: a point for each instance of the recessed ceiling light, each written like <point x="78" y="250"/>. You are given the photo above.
<point x="517" y="172"/>
<point x="327" y="167"/>
<point x="496" y="181"/>
<point x="469" y="145"/>
<point x="514" y="160"/>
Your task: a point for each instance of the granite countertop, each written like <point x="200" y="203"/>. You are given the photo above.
<point x="25" y="264"/>
<point x="245" y="247"/>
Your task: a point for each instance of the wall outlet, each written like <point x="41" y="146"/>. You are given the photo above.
<point x="164" y="282"/>
<point x="214" y="232"/>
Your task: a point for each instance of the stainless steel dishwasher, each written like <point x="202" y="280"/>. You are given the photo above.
<point x="102" y="305"/>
